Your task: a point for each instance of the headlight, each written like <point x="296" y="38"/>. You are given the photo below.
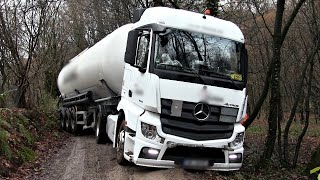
<point x="150" y="132"/>
<point x="238" y="141"/>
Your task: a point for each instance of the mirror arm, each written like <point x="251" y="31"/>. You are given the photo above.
<point x="142" y="70"/>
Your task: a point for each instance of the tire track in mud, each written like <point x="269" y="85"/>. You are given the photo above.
<point x="75" y="166"/>
<point x="82" y="159"/>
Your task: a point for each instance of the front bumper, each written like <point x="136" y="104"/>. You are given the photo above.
<point x="159" y="161"/>
<point x="171" y="164"/>
<point x="217" y="152"/>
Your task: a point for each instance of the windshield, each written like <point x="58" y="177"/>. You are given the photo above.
<point x="203" y="54"/>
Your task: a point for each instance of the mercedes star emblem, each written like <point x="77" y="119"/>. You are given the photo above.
<point x="201" y="111"/>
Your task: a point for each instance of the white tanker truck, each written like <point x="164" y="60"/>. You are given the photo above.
<point x="167" y="90"/>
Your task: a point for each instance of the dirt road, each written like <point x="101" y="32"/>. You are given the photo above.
<point x="82" y="158"/>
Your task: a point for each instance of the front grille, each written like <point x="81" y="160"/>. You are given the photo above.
<point x="187" y="126"/>
<point x="179" y="153"/>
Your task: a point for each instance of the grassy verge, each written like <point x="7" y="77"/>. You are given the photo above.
<point x="254" y="144"/>
<point x="22" y="133"/>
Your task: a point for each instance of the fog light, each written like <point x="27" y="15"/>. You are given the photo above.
<point x="153" y="151"/>
<point x="235" y="158"/>
<point x="149" y="153"/>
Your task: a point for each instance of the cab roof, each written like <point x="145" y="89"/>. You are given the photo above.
<point x="190" y="21"/>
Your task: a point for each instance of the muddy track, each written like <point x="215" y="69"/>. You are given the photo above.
<point x="82" y="158"/>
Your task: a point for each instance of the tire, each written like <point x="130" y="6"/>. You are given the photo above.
<point x="61" y="121"/>
<point x="100" y="129"/>
<point x="120" y="140"/>
<point x="68" y="121"/>
<point x="76" y="129"/>
<point x="64" y="120"/>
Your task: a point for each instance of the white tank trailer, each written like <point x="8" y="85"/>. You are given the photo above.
<point x="167" y="90"/>
<point x="96" y="67"/>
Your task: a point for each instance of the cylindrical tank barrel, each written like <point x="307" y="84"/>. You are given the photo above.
<point x="98" y="69"/>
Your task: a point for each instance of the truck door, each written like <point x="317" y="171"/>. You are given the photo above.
<point x="137" y="76"/>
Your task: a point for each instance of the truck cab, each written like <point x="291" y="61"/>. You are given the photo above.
<point x="183" y="93"/>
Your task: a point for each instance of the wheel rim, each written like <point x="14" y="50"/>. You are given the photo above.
<point x="120" y="142"/>
<point x="67" y="121"/>
<point x="72" y="122"/>
<point x="98" y="124"/>
<point x="97" y="129"/>
<point x="72" y="125"/>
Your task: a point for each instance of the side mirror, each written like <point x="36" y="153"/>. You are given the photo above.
<point x="131" y="49"/>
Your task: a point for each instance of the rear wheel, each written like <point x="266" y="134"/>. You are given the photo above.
<point x="101" y="125"/>
<point x="68" y="121"/>
<point x="120" y="145"/>
<point x="63" y="120"/>
<point x="75" y="128"/>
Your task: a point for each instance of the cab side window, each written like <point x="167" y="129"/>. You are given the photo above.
<point x="143" y="50"/>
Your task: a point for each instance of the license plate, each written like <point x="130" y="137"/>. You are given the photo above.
<point x="195" y="163"/>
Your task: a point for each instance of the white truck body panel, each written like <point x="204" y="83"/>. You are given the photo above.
<point x="104" y="61"/>
<point x="107" y="56"/>
<point x="190" y="21"/>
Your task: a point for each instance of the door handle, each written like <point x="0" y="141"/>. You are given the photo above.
<point x="130" y="93"/>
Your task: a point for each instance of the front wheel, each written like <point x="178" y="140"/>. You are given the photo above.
<point x="120" y="145"/>
<point x="101" y="125"/>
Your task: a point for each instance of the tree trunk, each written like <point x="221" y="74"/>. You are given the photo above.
<point x="275" y="83"/>
<point x="98" y="16"/>
<point x="295" y="105"/>
<point x="306" y="121"/>
<point x="280" y="118"/>
<point x="260" y="102"/>
<point x="273" y="113"/>
<point x="158" y="3"/>
<point x="20" y="99"/>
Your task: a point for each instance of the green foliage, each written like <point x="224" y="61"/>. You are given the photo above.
<point x="2" y="97"/>
<point x="51" y="86"/>
<point x="4" y="124"/>
<point x="26" y="134"/>
<point x="295" y="129"/>
<point x="4" y="137"/>
<point x="26" y="154"/>
<point x="20" y="129"/>
<point x="239" y="176"/>
<point x="313" y="130"/>
<point x="256" y="129"/>
<point x="4" y="146"/>
<point x="48" y="106"/>
<point x="18" y="135"/>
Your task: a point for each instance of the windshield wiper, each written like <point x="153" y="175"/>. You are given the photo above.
<point x="195" y="72"/>
<point x="188" y="70"/>
<point x="226" y="76"/>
